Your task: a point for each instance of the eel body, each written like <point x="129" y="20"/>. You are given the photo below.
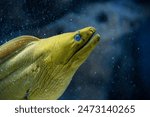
<point x="33" y="68"/>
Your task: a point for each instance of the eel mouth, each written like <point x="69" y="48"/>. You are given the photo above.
<point x="93" y="33"/>
<point x="89" y="43"/>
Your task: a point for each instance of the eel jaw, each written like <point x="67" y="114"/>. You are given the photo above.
<point x="81" y="55"/>
<point x="93" y="34"/>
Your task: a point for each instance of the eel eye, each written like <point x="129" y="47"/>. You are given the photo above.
<point x="77" y="37"/>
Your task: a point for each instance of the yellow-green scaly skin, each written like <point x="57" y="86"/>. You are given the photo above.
<point x="43" y="69"/>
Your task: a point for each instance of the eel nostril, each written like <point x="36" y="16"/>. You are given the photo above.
<point x="92" y="30"/>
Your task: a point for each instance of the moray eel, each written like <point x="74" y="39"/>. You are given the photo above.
<point x="33" y="68"/>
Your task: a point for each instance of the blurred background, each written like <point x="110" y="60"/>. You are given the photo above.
<point x="118" y="68"/>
